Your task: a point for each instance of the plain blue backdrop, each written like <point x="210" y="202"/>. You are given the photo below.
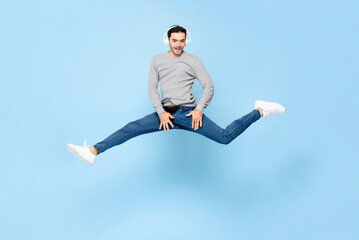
<point x="75" y="70"/>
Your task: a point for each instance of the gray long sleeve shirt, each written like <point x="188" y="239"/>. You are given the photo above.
<point x="176" y="76"/>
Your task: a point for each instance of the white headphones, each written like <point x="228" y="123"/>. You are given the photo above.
<point x="167" y="42"/>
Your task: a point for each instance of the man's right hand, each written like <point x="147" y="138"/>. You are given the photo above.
<point x="165" y="120"/>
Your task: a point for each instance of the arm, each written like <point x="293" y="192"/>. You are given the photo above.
<point x="206" y="83"/>
<point x="207" y="94"/>
<point x="153" y="88"/>
<point x="155" y="98"/>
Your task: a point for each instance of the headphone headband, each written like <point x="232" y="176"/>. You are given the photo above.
<point x="166" y="40"/>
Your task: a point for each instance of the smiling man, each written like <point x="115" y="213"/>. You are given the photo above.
<point x="176" y="71"/>
<point x="177" y="43"/>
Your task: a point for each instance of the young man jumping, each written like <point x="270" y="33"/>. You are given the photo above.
<point x="176" y="71"/>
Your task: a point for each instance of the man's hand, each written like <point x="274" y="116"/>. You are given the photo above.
<point x="165" y="120"/>
<point x="196" y="118"/>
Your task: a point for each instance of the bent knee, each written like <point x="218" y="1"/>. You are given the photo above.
<point x="225" y="140"/>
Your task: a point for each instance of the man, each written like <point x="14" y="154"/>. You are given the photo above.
<point x="176" y="71"/>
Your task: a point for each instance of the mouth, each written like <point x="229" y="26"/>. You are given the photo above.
<point x="178" y="49"/>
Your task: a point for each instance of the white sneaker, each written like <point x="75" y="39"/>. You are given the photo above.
<point x="82" y="152"/>
<point x="269" y="108"/>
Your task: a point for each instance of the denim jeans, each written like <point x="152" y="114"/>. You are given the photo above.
<point x="151" y="123"/>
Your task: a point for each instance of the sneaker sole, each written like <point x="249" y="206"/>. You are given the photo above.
<point x="77" y="155"/>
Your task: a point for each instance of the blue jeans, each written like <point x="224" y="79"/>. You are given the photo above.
<point x="151" y="123"/>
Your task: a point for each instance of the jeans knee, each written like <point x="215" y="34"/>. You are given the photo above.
<point x="226" y="139"/>
<point x="131" y="125"/>
<point x="225" y="142"/>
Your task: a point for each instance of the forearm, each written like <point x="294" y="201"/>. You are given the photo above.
<point x="153" y="88"/>
<point x="207" y="95"/>
<point x="156" y="100"/>
<point x="206" y="83"/>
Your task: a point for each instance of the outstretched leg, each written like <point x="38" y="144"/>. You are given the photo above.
<point x="225" y="136"/>
<point x="147" y="124"/>
<point x="212" y="131"/>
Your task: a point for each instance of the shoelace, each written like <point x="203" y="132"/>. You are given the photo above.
<point x="85" y="143"/>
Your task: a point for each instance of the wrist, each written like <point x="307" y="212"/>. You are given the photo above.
<point x="199" y="108"/>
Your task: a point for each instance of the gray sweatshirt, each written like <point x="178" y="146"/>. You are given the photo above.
<point x="176" y="76"/>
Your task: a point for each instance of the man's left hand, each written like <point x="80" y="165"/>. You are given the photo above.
<point x="196" y="118"/>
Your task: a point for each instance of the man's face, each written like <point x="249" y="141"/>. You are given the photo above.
<point x="177" y="43"/>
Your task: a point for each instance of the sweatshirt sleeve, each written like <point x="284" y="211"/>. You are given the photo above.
<point x="206" y="83"/>
<point x="153" y="88"/>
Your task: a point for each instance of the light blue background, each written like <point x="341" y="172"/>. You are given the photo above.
<point x="75" y="70"/>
